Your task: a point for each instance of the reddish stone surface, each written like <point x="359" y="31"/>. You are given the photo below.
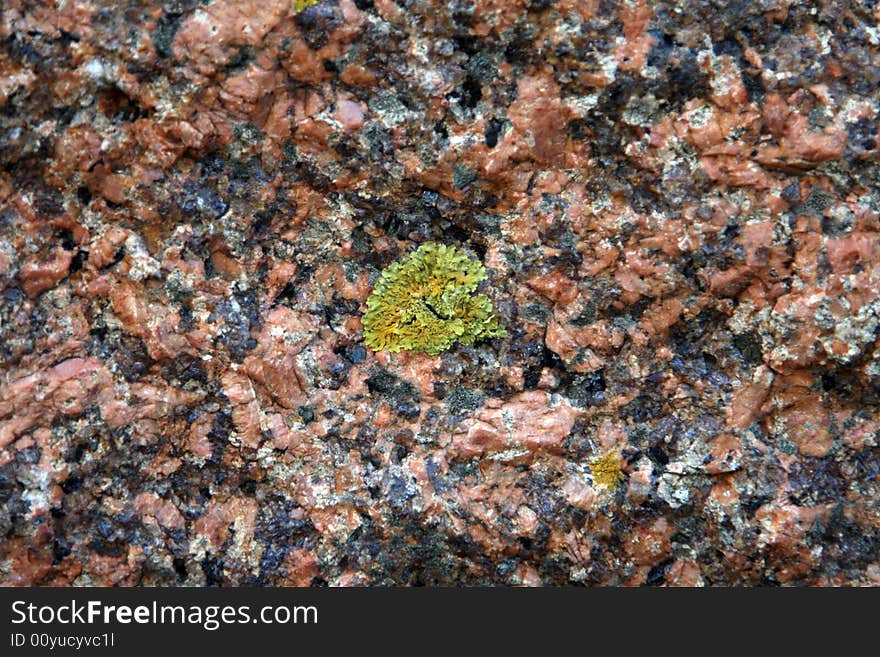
<point x="677" y="206"/>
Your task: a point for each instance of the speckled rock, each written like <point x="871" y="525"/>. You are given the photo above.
<point x="677" y="206"/>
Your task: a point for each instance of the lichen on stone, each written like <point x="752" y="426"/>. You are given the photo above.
<point x="299" y="5"/>
<point x="428" y="301"/>
<point x="606" y="470"/>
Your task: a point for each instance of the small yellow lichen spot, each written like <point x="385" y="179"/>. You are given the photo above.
<point x="606" y="470"/>
<point x="299" y="5"/>
<point x="427" y="301"/>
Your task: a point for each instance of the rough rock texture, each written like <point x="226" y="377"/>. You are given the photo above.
<point x="677" y="203"/>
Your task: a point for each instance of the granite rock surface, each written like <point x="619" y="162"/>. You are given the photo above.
<point x="677" y="205"/>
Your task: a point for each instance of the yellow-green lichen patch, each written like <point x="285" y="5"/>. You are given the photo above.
<point x="428" y="301"/>
<point x="606" y="470"/>
<point x="299" y="5"/>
